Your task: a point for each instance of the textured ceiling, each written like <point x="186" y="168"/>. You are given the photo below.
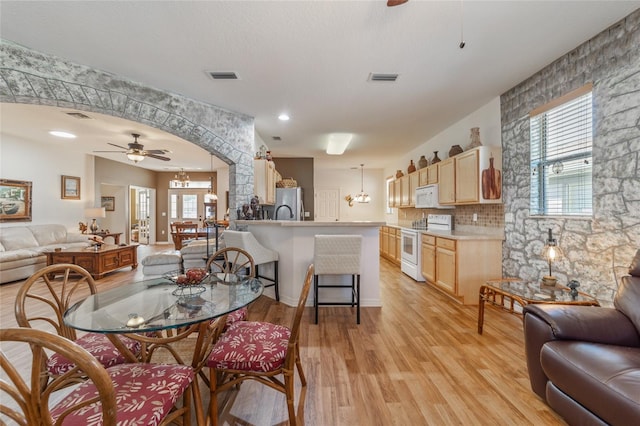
<point x="312" y="59"/>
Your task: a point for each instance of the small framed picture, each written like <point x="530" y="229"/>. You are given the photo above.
<point x="15" y="200"/>
<point x="109" y="203"/>
<point x="70" y="188"/>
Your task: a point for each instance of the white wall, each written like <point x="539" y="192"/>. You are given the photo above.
<point x="349" y="181"/>
<point x="43" y="164"/>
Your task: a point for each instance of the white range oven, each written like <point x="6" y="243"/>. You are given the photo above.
<point x="410" y="246"/>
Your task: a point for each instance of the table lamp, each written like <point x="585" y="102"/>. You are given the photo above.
<point x="552" y="253"/>
<point x="94" y="213"/>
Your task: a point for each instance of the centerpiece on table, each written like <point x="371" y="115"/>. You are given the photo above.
<point x="189" y="282"/>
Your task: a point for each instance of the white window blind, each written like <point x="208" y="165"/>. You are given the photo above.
<point x="561" y="144"/>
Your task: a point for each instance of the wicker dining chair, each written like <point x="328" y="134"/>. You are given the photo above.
<point x="260" y="351"/>
<point x="44" y="298"/>
<point x="134" y="393"/>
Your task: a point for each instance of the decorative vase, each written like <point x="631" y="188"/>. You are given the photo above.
<point x="475" y="138"/>
<point x="423" y="162"/>
<point x="399" y="174"/>
<point x="455" y="150"/>
<point x="436" y="159"/>
<point x="412" y="167"/>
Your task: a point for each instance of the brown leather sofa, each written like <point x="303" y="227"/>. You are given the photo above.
<point x="585" y="361"/>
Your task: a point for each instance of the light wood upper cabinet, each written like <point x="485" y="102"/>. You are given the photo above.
<point x="413" y="184"/>
<point x="428" y="175"/>
<point x="265" y="177"/>
<point x="397" y="192"/>
<point x="447" y="181"/>
<point x="467" y="175"/>
<point x="391" y="201"/>
<point x="404" y="191"/>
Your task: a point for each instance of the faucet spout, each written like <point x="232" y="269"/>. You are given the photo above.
<point x="281" y="206"/>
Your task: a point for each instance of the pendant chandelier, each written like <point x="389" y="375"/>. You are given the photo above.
<point x="211" y="195"/>
<point x="181" y="179"/>
<point x="362" y="197"/>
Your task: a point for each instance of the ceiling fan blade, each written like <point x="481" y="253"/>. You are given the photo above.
<point x="157" y="151"/>
<point x="392" y="3"/>
<point x="157" y="157"/>
<point x="118" y="146"/>
<point x="122" y="152"/>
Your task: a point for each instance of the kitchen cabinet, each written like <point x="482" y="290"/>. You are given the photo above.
<point x="408" y="185"/>
<point x="265" y="177"/>
<point x="459" y="267"/>
<point x="472" y="177"/>
<point x="428" y="175"/>
<point x="390" y="243"/>
<point x="391" y="200"/>
<point x="397" y="192"/>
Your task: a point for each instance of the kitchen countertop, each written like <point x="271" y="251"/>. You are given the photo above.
<point x="310" y="224"/>
<point x="460" y="234"/>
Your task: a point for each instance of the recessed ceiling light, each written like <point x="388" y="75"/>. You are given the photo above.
<point x="283" y="117"/>
<point x="338" y="142"/>
<point x="61" y="134"/>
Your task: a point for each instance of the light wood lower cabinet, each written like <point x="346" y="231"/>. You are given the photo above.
<point x="460" y="267"/>
<point x="390" y="243"/>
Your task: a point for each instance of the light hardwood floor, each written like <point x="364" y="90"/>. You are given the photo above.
<point x="417" y="360"/>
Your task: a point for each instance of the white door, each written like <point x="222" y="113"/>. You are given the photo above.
<point x="327" y="208"/>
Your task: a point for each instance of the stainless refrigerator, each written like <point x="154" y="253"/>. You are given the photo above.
<point x="289" y="204"/>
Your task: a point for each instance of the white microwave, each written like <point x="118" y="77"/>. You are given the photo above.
<point x="427" y="198"/>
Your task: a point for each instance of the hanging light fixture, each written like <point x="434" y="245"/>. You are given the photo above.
<point x="181" y="179"/>
<point x="362" y="197"/>
<point x="211" y="195"/>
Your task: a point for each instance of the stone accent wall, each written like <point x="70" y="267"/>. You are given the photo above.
<point x="611" y="60"/>
<point x="31" y="77"/>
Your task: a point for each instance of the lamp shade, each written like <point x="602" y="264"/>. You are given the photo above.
<point x="95" y="212"/>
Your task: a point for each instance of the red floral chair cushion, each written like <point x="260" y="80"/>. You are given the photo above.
<point x="100" y="347"/>
<point x="145" y="394"/>
<point x="235" y="316"/>
<point x="250" y="346"/>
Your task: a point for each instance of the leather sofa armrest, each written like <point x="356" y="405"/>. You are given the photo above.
<point x="546" y="322"/>
<point x="586" y="323"/>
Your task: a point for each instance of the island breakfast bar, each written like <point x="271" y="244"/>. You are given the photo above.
<point x="293" y="240"/>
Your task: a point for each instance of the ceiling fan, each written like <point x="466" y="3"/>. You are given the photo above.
<point x="136" y="152"/>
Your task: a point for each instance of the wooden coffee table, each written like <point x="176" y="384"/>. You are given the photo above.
<point x="505" y="293"/>
<point x="97" y="261"/>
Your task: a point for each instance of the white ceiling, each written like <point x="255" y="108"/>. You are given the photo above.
<point x="311" y="59"/>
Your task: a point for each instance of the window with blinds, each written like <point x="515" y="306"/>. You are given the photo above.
<point x="561" y="144"/>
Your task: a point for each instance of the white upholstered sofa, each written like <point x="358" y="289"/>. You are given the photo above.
<point x="22" y="248"/>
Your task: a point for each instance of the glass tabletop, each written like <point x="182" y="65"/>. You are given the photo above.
<point x="160" y="304"/>
<point x="534" y="291"/>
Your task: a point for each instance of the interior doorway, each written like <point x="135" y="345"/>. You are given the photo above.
<point x="142" y="202"/>
<point x="327" y="208"/>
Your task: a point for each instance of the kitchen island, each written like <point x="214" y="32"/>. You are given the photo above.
<point x="293" y="240"/>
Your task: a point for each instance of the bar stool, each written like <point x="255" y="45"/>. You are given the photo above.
<point x="261" y="255"/>
<point x="338" y="255"/>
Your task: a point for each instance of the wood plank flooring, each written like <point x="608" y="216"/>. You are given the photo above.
<point x="417" y="360"/>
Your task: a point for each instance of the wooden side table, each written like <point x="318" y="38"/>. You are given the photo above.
<point x="97" y="262"/>
<point x="504" y="293"/>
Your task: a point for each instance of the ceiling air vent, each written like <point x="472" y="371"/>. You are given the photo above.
<point x="223" y="75"/>
<point x="79" y="115"/>
<point x="382" y="77"/>
<point x="276" y="138"/>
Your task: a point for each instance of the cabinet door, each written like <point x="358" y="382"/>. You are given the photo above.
<point x="467" y="175"/>
<point x="126" y="258"/>
<point x="391" y="201"/>
<point x="423" y="176"/>
<point x="413" y="184"/>
<point x="446" y="269"/>
<point x="264" y="185"/>
<point x="433" y="174"/>
<point x="384" y="241"/>
<point x="397" y="192"/>
<point x="447" y="178"/>
<point x="429" y="262"/>
<point x="270" y="197"/>
<point x="398" y="251"/>
<point x="404" y="191"/>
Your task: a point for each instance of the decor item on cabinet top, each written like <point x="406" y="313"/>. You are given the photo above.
<point x="435" y="159"/>
<point x="491" y="182"/>
<point x="455" y="150"/>
<point x="475" y="138"/>
<point x="268" y="156"/>
<point x="287" y="183"/>
<point x="423" y="162"/>
<point x="411" y="168"/>
<point x="399" y="174"/>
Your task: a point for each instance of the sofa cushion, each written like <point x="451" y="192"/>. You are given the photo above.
<point x="605" y="379"/>
<point x="49" y="234"/>
<point x="17" y="237"/>
<point x="17" y="258"/>
<point x="627" y="299"/>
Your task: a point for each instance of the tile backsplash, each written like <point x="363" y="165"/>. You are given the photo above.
<point x="489" y="215"/>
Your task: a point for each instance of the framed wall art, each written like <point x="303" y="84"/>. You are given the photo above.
<point x="70" y="188"/>
<point x="15" y="200"/>
<point x="109" y="203"/>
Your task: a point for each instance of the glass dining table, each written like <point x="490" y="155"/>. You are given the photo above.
<point x="161" y="314"/>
